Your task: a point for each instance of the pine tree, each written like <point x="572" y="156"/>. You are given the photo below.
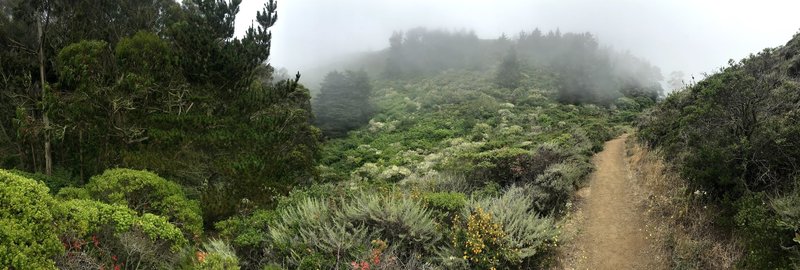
<point x="509" y="72"/>
<point x="343" y="102"/>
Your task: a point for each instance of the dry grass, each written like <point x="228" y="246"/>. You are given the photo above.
<point x="681" y="225"/>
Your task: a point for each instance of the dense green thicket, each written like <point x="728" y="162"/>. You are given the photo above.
<point x="43" y="232"/>
<point x="734" y="136"/>
<point x="26" y="237"/>
<point x="159" y="86"/>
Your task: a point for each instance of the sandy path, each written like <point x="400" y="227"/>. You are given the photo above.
<point x="610" y="230"/>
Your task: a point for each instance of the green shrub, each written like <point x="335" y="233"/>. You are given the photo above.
<point x="146" y="192"/>
<point x="217" y="255"/>
<point x="312" y="234"/>
<point x="27" y="240"/>
<point x="70" y="193"/>
<point x="787" y="209"/>
<point x="552" y="189"/>
<point x="508" y="166"/>
<point x="308" y="236"/>
<point x="60" y="179"/>
<point x="402" y="222"/>
<point x="250" y="237"/>
<point x="527" y="234"/>
<point x="445" y="201"/>
<point x="490" y="189"/>
<point x="114" y="234"/>
<point x="763" y="236"/>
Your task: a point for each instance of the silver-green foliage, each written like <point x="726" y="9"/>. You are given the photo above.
<point x="313" y="233"/>
<point x="310" y="228"/>
<point x="219" y="256"/>
<point x="551" y="190"/>
<point x="526" y="231"/>
<point x="405" y="223"/>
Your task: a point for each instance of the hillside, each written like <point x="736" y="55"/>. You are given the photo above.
<point x="733" y="136"/>
<point x="451" y="170"/>
<point x="141" y="135"/>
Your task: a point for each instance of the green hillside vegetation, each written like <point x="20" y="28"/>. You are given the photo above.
<point x="144" y="135"/>
<point x="452" y="171"/>
<point x="734" y="137"/>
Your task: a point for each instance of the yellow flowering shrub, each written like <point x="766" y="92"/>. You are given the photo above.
<point x="480" y="239"/>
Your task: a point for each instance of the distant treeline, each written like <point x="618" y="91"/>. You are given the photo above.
<point x="585" y="71"/>
<point x="581" y="70"/>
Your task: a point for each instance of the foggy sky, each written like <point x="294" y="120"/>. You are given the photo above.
<point x="693" y="36"/>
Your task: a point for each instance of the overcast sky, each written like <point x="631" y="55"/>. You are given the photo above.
<point x="692" y="36"/>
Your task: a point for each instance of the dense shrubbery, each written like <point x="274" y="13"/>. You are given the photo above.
<point x="108" y="235"/>
<point x="27" y="239"/>
<point x="40" y="231"/>
<point x="217" y="255"/>
<point x="160" y="85"/>
<point x="732" y="135"/>
<point x="146" y="192"/>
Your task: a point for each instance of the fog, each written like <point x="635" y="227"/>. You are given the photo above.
<point x="677" y="35"/>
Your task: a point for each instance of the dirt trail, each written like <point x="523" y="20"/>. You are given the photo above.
<point x="608" y="229"/>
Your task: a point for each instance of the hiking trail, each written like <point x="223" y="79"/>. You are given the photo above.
<point x="607" y="230"/>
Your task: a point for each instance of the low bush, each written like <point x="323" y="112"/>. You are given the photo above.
<point x="114" y="235"/>
<point x="528" y="234"/>
<point x="146" y="192"/>
<point x="445" y="202"/>
<point x="481" y="240"/>
<point x="27" y="240"/>
<point x="554" y="187"/>
<point x="768" y="243"/>
<point x="60" y="179"/>
<point x="216" y="255"/>
<point x="402" y="222"/>
<point x="500" y="232"/>
<point x="70" y="193"/>
<point x="250" y="237"/>
<point x="309" y="235"/>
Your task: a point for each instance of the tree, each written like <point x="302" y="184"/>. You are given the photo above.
<point x="343" y="103"/>
<point x="154" y="85"/>
<point x="509" y="73"/>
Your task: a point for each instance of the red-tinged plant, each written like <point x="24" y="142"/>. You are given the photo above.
<point x="363" y="265"/>
<point x="201" y="256"/>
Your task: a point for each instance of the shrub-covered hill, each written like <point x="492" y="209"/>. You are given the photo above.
<point x="452" y="171"/>
<point x="734" y="136"/>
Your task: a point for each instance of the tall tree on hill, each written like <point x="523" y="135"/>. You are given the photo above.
<point x="509" y="73"/>
<point x="343" y="103"/>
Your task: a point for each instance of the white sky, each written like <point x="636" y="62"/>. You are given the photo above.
<point x="693" y="36"/>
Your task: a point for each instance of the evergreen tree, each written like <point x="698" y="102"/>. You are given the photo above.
<point x="343" y="103"/>
<point x="509" y="73"/>
<point x="153" y="85"/>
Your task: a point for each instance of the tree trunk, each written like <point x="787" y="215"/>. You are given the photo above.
<point x="48" y="156"/>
